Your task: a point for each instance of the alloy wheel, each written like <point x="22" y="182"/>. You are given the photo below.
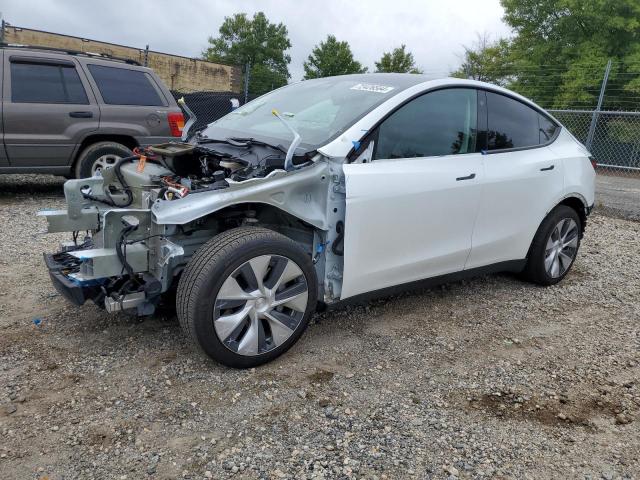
<point x="104" y="161"/>
<point x="561" y="248"/>
<point x="260" y="305"/>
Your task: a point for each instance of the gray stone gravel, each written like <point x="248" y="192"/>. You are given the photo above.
<point x="488" y="378"/>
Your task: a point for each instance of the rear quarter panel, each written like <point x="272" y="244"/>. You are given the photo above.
<point x="579" y="175"/>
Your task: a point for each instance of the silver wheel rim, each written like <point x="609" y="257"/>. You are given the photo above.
<point x="105" y="161"/>
<point x="562" y="247"/>
<point x="260" y="305"/>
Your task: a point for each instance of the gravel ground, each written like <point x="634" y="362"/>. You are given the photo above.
<point x="489" y="378"/>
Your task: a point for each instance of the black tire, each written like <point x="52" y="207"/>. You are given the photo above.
<point x="535" y="270"/>
<point x="92" y="153"/>
<point x="210" y="267"/>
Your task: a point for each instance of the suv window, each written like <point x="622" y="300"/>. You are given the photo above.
<point x="512" y="124"/>
<point x="121" y="86"/>
<point x="437" y="123"/>
<point x="46" y="83"/>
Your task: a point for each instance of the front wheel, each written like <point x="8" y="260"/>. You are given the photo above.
<point x="555" y="247"/>
<point x="246" y="296"/>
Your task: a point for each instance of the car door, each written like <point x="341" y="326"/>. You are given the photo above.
<point x="523" y="179"/>
<point x="410" y="211"/>
<point x="47" y="109"/>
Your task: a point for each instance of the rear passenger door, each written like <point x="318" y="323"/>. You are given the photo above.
<point x="47" y="110"/>
<point x="132" y="102"/>
<point x="522" y="181"/>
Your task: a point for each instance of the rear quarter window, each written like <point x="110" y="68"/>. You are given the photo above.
<point x="512" y="124"/>
<point x="121" y="86"/>
<point x="548" y="128"/>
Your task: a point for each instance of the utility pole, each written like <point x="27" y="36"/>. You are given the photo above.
<point x="596" y="113"/>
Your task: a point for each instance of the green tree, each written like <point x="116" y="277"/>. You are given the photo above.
<point x="331" y="57"/>
<point x="398" y="60"/>
<point x="487" y="61"/>
<point x="256" y="42"/>
<point x="560" y="48"/>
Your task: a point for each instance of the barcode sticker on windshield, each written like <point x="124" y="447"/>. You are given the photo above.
<point x="370" y="87"/>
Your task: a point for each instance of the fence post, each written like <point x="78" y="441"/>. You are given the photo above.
<point x="247" y="72"/>
<point x="596" y="112"/>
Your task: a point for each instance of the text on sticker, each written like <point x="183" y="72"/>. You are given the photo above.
<point x="370" y="87"/>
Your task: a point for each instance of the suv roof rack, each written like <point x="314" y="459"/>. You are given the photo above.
<point x="103" y="56"/>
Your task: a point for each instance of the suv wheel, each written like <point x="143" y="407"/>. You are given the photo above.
<point x="98" y="156"/>
<point x="554" y="247"/>
<point x="246" y="296"/>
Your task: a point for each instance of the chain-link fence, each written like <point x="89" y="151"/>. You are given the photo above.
<point x="613" y="138"/>
<point x="210" y="106"/>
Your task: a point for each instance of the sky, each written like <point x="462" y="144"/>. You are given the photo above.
<point x="433" y="30"/>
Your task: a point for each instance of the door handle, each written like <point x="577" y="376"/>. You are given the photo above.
<point x="546" y="169"/>
<point x="81" y="114"/>
<point x="468" y="177"/>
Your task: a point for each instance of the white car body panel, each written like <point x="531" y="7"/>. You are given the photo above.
<point x="490" y="220"/>
<point x="517" y="195"/>
<point x="408" y="219"/>
<point x="579" y="177"/>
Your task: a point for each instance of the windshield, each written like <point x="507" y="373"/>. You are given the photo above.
<point x="319" y="110"/>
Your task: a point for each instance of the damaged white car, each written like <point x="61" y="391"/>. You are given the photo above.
<point x="321" y="191"/>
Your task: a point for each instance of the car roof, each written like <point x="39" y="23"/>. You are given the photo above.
<point x="58" y="53"/>
<point x="403" y="81"/>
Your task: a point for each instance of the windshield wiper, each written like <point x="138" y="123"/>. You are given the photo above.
<point x="288" y="161"/>
<point x="243" y="142"/>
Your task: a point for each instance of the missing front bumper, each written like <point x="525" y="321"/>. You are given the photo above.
<point x="72" y="290"/>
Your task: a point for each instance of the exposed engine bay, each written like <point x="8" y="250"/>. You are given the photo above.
<point x="172" y="171"/>
<point x="136" y="225"/>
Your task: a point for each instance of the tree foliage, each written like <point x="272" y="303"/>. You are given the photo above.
<point x="257" y="42"/>
<point x="398" y="60"/>
<point x="331" y="57"/>
<point x="486" y="61"/>
<point x="572" y="41"/>
<point x="559" y="50"/>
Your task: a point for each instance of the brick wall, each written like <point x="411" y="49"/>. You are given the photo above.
<point x="178" y="73"/>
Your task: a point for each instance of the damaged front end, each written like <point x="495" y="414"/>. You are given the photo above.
<point x="136" y="225"/>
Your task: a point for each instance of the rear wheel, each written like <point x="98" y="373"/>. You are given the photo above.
<point x="99" y="156"/>
<point x="246" y="296"/>
<point x="555" y="246"/>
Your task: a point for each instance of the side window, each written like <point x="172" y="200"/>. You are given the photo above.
<point x="547" y="128"/>
<point x="46" y="83"/>
<point x="511" y="124"/>
<point x="437" y="123"/>
<point x="121" y="86"/>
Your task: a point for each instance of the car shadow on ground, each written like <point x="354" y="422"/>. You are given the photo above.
<point x="31" y="184"/>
